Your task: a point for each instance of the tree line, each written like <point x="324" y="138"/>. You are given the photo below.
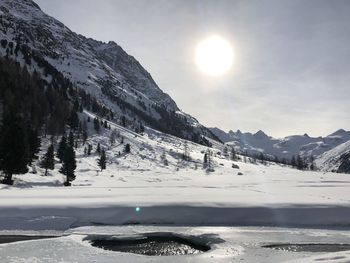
<point x="31" y="107"/>
<point x="297" y="161"/>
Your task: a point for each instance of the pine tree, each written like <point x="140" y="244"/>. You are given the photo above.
<point x="123" y="121"/>
<point x="293" y="162"/>
<point x="73" y="120"/>
<point x="34" y="144"/>
<point x="85" y="133"/>
<point x="98" y="149"/>
<point x="69" y="165"/>
<point x="262" y="158"/>
<point x="142" y="128"/>
<point x="62" y="148"/>
<point x="76" y="105"/>
<point x="209" y="163"/>
<point x="80" y="131"/>
<point x="233" y="155"/>
<point x="49" y="159"/>
<point x="300" y="163"/>
<point x="14" y="147"/>
<point x="102" y="160"/>
<point x="127" y="148"/>
<point x="312" y="163"/>
<point x="71" y="139"/>
<point x="186" y="154"/>
<point x="89" y="149"/>
<point x="96" y="125"/>
<point x="112" y="137"/>
<point x="225" y="151"/>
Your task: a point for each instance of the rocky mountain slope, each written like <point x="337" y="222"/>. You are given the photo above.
<point x="336" y="159"/>
<point x="103" y="70"/>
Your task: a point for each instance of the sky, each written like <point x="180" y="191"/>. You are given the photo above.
<point x="290" y="74"/>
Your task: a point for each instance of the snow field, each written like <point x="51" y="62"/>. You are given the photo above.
<point x="180" y="193"/>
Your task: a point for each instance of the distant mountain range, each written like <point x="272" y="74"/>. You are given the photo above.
<point x="329" y="151"/>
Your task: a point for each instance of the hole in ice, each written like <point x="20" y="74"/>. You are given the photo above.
<point x="310" y="247"/>
<point x="152" y="245"/>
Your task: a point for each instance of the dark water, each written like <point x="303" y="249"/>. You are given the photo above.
<point x="152" y="246"/>
<point x="15" y="238"/>
<point x="310" y="247"/>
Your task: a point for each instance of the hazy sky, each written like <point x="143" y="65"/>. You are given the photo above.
<point x="291" y="72"/>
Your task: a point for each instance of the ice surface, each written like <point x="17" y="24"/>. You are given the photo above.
<point x="228" y="244"/>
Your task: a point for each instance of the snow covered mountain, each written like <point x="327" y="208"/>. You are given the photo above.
<point x="119" y="83"/>
<point x="336" y="159"/>
<point x="103" y="70"/>
<point x="283" y="148"/>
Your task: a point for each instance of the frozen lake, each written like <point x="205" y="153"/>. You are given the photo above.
<point x="227" y="244"/>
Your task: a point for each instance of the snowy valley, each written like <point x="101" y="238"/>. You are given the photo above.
<point x="153" y="186"/>
<point x="93" y="152"/>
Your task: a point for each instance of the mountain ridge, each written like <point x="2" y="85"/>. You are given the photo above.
<point x="103" y="70"/>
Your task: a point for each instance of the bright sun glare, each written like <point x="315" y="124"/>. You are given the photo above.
<point x="214" y="56"/>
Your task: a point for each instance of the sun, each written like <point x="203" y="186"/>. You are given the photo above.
<point x="214" y="56"/>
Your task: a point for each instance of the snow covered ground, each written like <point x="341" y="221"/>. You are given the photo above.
<point x="141" y="188"/>
<point x="172" y="192"/>
<point x="261" y="196"/>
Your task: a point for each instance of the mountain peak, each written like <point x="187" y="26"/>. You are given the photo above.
<point x="260" y="134"/>
<point x="231" y="132"/>
<point x="340" y="132"/>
